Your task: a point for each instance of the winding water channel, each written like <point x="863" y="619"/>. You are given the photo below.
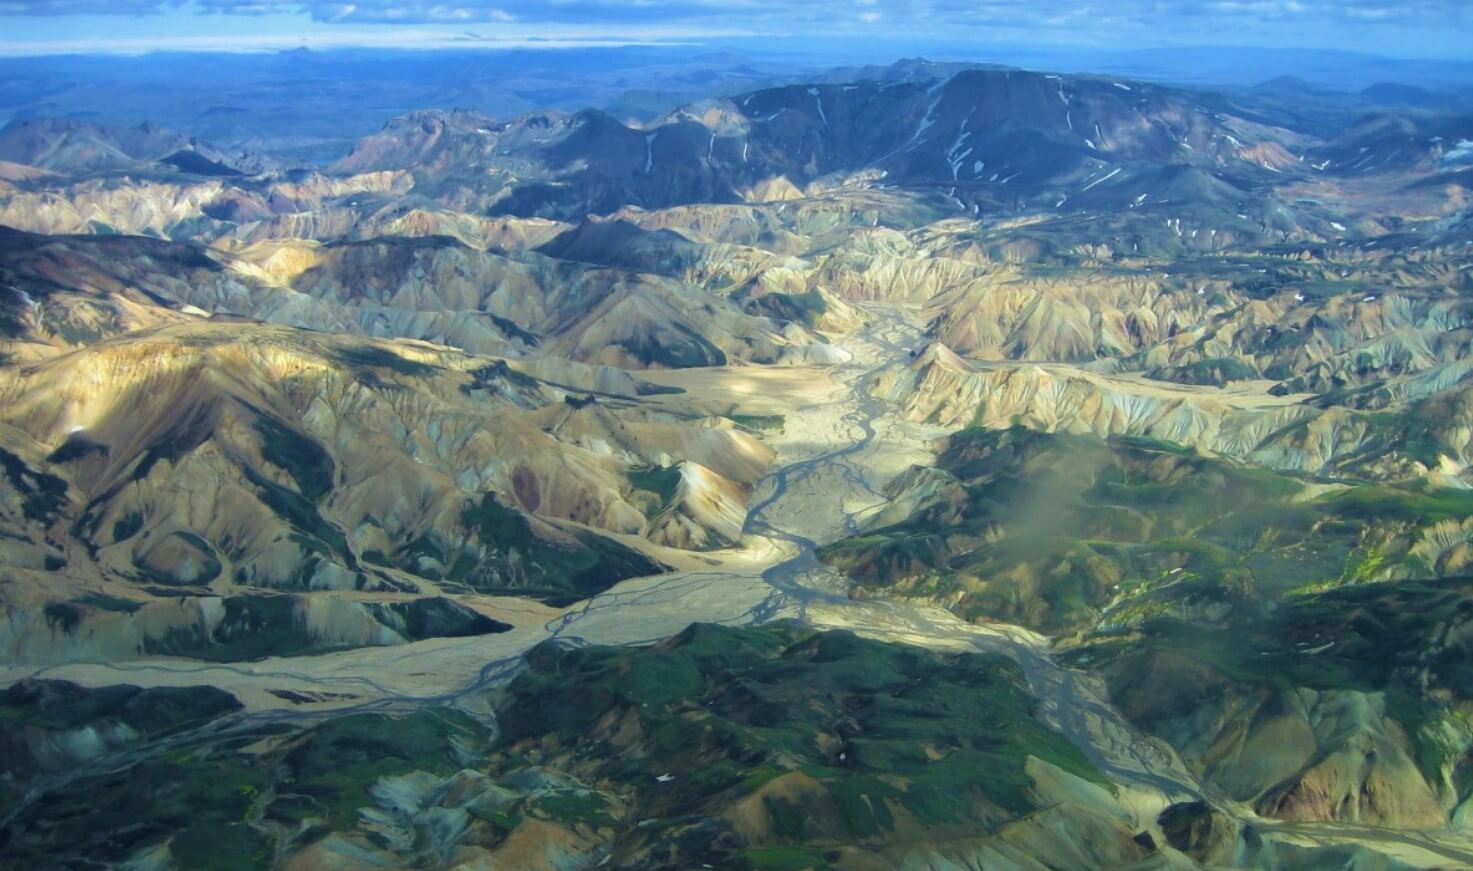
<point x="789" y="583"/>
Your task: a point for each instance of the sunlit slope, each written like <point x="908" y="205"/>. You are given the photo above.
<point x="214" y="458"/>
<point x="1070" y="533"/>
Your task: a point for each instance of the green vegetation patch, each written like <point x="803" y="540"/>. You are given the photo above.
<point x="42" y="724"/>
<point x="515" y="560"/>
<point x="724" y="713"/>
<point x="515" y="331"/>
<point x="826" y="739"/>
<point x="663" y="481"/>
<point x="436" y="617"/>
<point x="43" y="495"/>
<point x="308" y="463"/>
<point x="216" y="798"/>
<point x="685" y="349"/>
<point x="104" y="602"/>
<point x="762" y="423"/>
<point x="784" y="859"/>
<point x="338" y="762"/>
<point x="188" y="434"/>
<point x="76" y="448"/>
<point x="807" y="308"/>
<point x="1215" y="372"/>
<point x="1065" y="532"/>
<point x="375" y="357"/>
<point x="1393" y="638"/>
<point x="253" y="627"/>
<point x="317" y="533"/>
<point x="487" y="376"/>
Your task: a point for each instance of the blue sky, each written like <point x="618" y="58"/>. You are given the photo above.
<point x="1408" y="28"/>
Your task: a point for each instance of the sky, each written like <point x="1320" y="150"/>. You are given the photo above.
<point x="1395" y="28"/>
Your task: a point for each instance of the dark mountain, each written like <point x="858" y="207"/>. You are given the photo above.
<point x="981" y="136"/>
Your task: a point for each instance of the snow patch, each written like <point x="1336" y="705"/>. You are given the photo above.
<point x="956" y="165"/>
<point x="961" y="139"/>
<point x="813" y="92"/>
<point x="1114" y="172"/>
<point x="953" y="158"/>
<point x="649" y="152"/>
<point x="1459" y="153"/>
<point x="926" y="120"/>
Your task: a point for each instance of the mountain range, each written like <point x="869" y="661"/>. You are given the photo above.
<point x="927" y="466"/>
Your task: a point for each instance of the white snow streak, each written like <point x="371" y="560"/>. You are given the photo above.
<point x="1459" y="153"/>
<point x="1114" y="172"/>
<point x="813" y="92"/>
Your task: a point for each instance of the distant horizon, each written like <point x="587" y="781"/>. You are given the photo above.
<point x="899" y="55"/>
<point x="1412" y="30"/>
<point x="1205" y="65"/>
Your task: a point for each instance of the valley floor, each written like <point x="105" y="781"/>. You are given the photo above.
<point x="839" y="446"/>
